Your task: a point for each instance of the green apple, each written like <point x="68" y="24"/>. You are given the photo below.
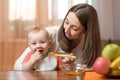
<point x="111" y="51"/>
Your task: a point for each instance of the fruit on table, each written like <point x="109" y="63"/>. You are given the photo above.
<point x="115" y="72"/>
<point x="116" y="63"/>
<point x="102" y="65"/>
<point x="109" y="62"/>
<point x="111" y="51"/>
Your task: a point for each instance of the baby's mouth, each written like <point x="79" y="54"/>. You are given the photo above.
<point x="40" y="50"/>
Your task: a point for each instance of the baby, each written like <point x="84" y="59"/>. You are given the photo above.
<point x="38" y="58"/>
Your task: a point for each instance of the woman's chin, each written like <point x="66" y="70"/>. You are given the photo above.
<point x="69" y="38"/>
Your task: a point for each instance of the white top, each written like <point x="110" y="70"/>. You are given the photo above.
<point x="53" y="32"/>
<point x="48" y="63"/>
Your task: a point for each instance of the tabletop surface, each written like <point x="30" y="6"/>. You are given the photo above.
<point x="49" y="75"/>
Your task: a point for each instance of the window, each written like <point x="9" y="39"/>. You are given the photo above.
<point x="59" y="8"/>
<point x="21" y="17"/>
<point x="22" y="14"/>
<point x="64" y="5"/>
<point x="22" y="9"/>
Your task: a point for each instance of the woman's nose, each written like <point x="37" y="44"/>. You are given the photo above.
<point x="67" y="29"/>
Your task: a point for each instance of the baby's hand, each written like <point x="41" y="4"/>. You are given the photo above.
<point x="37" y="55"/>
<point x="68" y="59"/>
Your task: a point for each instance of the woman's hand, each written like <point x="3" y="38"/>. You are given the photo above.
<point x="68" y="59"/>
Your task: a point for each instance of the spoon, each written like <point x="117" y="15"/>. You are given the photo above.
<point x="62" y="55"/>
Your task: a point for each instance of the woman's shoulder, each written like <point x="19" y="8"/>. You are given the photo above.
<point x="52" y="29"/>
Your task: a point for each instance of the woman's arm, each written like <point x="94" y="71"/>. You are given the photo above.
<point x="53" y="33"/>
<point x="52" y="30"/>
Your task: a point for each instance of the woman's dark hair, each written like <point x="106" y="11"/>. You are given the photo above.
<point x="87" y="16"/>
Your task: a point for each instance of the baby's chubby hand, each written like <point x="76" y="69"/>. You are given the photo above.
<point x="68" y="59"/>
<point x="37" y="55"/>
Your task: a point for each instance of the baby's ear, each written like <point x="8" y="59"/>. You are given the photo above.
<point x="50" y="43"/>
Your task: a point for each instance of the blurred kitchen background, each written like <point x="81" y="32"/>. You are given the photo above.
<point x="17" y="17"/>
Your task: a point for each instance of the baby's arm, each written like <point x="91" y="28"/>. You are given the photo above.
<point x="18" y="62"/>
<point x="34" y="58"/>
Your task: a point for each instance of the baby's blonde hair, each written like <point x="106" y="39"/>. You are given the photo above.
<point x="36" y="30"/>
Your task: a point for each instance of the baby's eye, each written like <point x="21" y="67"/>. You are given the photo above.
<point x="33" y="43"/>
<point x="42" y="42"/>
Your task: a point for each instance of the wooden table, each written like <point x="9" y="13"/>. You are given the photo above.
<point x="48" y="75"/>
<point x="95" y="76"/>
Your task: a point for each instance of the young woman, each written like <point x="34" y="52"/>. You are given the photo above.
<point x="79" y="34"/>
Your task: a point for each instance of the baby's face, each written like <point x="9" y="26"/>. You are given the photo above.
<point x="39" y="41"/>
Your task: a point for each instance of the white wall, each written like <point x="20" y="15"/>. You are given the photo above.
<point x="116" y="19"/>
<point x="109" y="18"/>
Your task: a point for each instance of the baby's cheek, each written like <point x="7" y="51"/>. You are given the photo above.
<point x="33" y="50"/>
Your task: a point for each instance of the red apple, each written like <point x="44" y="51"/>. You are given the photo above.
<point x="102" y="65"/>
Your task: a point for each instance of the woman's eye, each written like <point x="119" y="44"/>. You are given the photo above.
<point x="66" y="22"/>
<point x="75" y="28"/>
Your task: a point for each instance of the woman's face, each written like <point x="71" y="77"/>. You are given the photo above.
<point x="72" y="26"/>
